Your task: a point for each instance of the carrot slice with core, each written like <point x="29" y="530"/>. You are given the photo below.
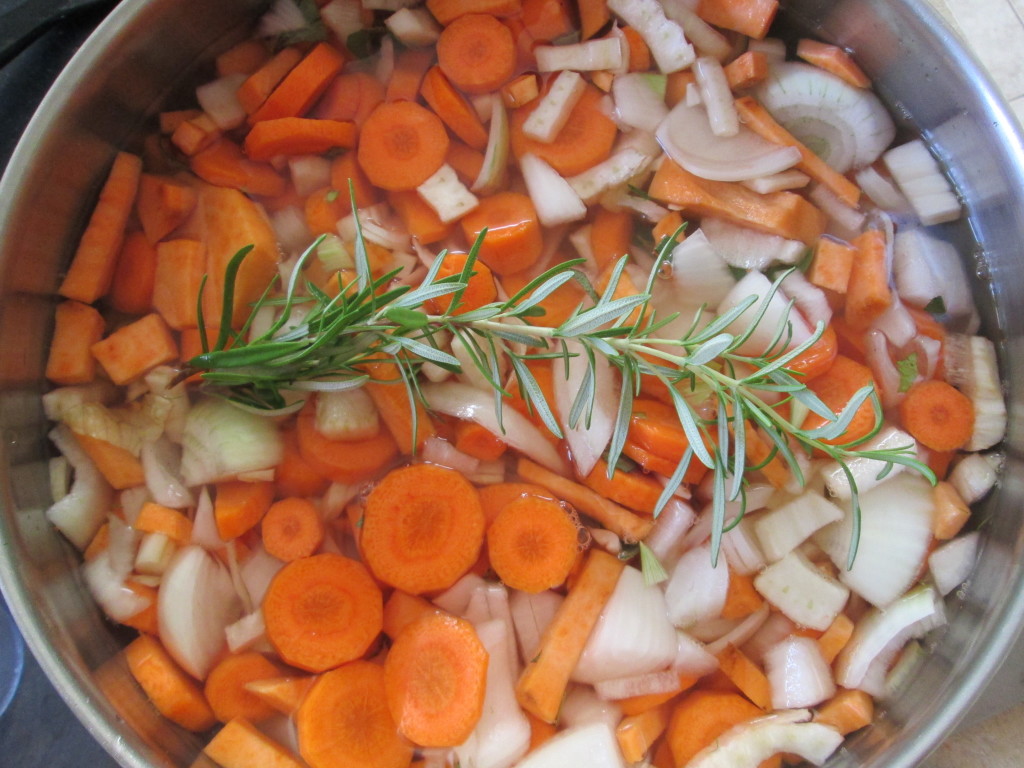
<point x="533" y="544"/>
<point x="402" y="144"/>
<point x="225" y="687"/>
<point x="292" y="529"/>
<point x="477" y="53"/>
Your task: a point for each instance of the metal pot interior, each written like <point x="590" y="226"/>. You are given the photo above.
<point x="146" y="56"/>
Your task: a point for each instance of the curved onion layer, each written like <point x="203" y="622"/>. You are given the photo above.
<point x="753" y="742"/>
<point x="798" y="673"/>
<point x="686" y="136"/>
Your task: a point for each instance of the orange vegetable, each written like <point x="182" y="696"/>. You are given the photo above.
<point x="179" y="273"/>
<point x="938" y="415"/>
<point x="741" y="599"/>
<point x="747" y="70"/>
<point x="452" y="108"/>
<point x="759" y="449"/>
<point x="350" y="97"/>
<point x="585" y="140"/>
<point x="533" y="543"/>
<point x="521" y="90"/>
<point x="594" y="16"/>
<point x="422" y="529"/>
<point x="477" y="53"/>
<point x="746" y="676"/>
<point x="817" y="358"/>
<point x="402" y="145"/>
<point x="636" y="734"/>
<point x="634" y="705"/>
<point x="167" y="685"/>
<point x="758" y="119"/>
<point x="410" y="67"/>
<point x="344" y="721"/>
<point x="480" y="289"/>
<point x="702" y="716"/>
<point x="832" y="59"/>
<point x="654" y="428"/>
<point x="239" y="506"/>
<point x="225" y="687"/>
<point x="323" y="208"/>
<point x="322" y="611"/>
<point x="146" y="620"/>
<point x="156" y="518"/>
<point x="259" y="85"/>
<point x="546" y="20"/>
<point x="131" y="290"/>
<point x="302" y="86"/>
<point x="639" y="53"/>
<point x="92" y="267"/>
<point x="244" y="58"/>
<point x="611" y="236"/>
<point x="749" y="17"/>
<point x="479" y="442"/>
<point x="343" y="461"/>
<point x="676" y="86"/>
<point x="835" y="638"/>
<point x="868" y="294"/>
<point x="513" y="241"/>
<point x="835" y="387"/>
<point x="630" y="489"/>
<point x="77" y="327"/>
<point x="784" y="214"/>
<point x="446" y="11"/>
<point x="345" y="170"/>
<point x="195" y="134"/>
<point x="402" y="609"/>
<point x="282" y="694"/>
<point x="466" y="161"/>
<point x="170" y="120"/>
<point x="847" y="711"/>
<point x="541" y="686"/>
<point x="950" y="512"/>
<point x="239" y="745"/>
<point x="293" y="476"/>
<point x="435" y="676"/>
<point x="540" y="731"/>
<point x="118" y="466"/>
<point x="419" y="218"/>
<point x="494" y="498"/>
<point x="223" y="164"/>
<point x="832" y="264"/>
<point x="162" y="206"/>
<point x="292" y="529"/>
<point x="392" y="401"/>
<point x="298" y="136"/>
<point x="136" y="348"/>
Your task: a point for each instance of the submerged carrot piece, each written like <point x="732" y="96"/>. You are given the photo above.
<point x="832" y="264"/>
<point x="294" y="476"/>
<point x="758" y="119"/>
<point x="401" y="609"/>
<point x="323" y="208"/>
<point x="77" y="327"/>
<point x="224" y="165"/>
<point x="240" y="745"/>
<point x="466" y="161"/>
<point x="654" y="428"/>
<point x="298" y="136"/>
<point x="868" y="294"/>
<point x="131" y="290"/>
<point x="611" y="236"/>
<point x="938" y="415"/>
<point x="639" y="52"/>
<point x="162" y="205"/>
<point x="422" y="529"/>
<point x="171" y="119"/>
<point x="480" y="289"/>
<point x="292" y="529"/>
<point x="345" y="170"/>
<point x="760" y="451"/>
<point x="479" y="442"/>
<point x="702" y="716"/>
<point x="343" y="461"/>
<point x="741" y="599"/>
<point x="746" y="675"/>
<point x="134" y="349"/>
<point x="636" y="734"/>
<point x="146" y="620"/>
<point x="747" y="70"/>
<point x="402" y="145"/>
<point x="282" y="694"/>
<point x="533" y="543"/>
<point x="630" y="489"/>
<point x="195" y="134"/>
<point x="226" y="691"/>
<point x="322" y="611"/>
<point x="542" y="684"/>
<point x="521" y="90"/>
<point x="446" y="11"/>
<point x="494" y="498"/>
<point x="156" y="518"/>
<point x="676" y="86"/>
<point x="259" y="85"/>
<point x="477" y="53"/>
<point x="546" y="20"/>
<point x="242" y="59"/>
<point x="302" y="86"/>
<point x="847" y="711"/>
<point x="410" y="67"/>
<point x="835" y="388"/>
<point x="452" y="108"/>
<point x="167" y="685"/>
<point x="239" y="506"/>
<point x="435" y="676"/>
<point x="119" y="467"/>
<point x="350" y="97"/>
<point x="92" y="267"/>
<point x="585" y="140"/>
<point x="817" y="358"/>
<point x="950" y="511"/>
<point x="513" y="241"/>
<point x="394" y="408"/>
<point x="779" y="213"/>
<point x="179" y="274"/>
<point x="344" y="721"/>
<point x="835" y="638"/>
<point x="594" y="15"/>
<point x="419" y="218"/>
<point x="749" y="17"/>
<point x="832" y="59"/>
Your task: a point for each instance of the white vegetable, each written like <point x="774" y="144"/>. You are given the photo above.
<point x="772" y="47"/>
<point x="686" y="136"/>
<point x="347" y="414"/>
<point x="974" y="476"/>
<point x="895" y="531"/>
<point x="379" y="224"/>
<point x="222" y="441"/>
<point x="776" y="628"/>
<point x="716" y="97"/>
<point x="343" y="17"/>
<point x="414" y="27"/>
<point x="846" y="126"/>
<point x="696" y="589"/>
<point x="155" y="553"/>
<point x="283" y="16"/>
<point x="588" y="56"/>
<point x="706" y="39"/>
<point x="647" y="684"/>
<point x="748" y="249"/>
<point x="802" y="592"/>
<point x="456" y="598"/>
<point x="554" y="108"/>
<point x="952" y="563"/>
<point x="838" y="212"/>
<point x="589" y="437"/>
<point x="692" y="656"/>
<point x="743" y="549"/>
<point x="971" y="366"/>
<point x="591" y="745"/>
<point x="766" y="334"/>
<point x="783" y="529"/>
<point x="531" y="614"/>
<point x="243" y="634"/>
<point x="309" y="173"/>
<point x="809" y="298"/>
<point x="437" y="450"/>
<point x="866" y="471"/>
<point x="778" y="182"/>
<point x="80" y="513"/>
<point x="107" y="587"/>
<point x="582" y="706"/>
<point x="387" y="5"/>
<point x="665" y="38"/>
<point x="639" y="103"/>
<point x="195" y="604"/>
<point x="613" y="171"/>
<point x="553" y="197"/>
<point x="920" y="178"/>
<point x="927" y="268"/>
<point x="495" y="166"/>
<point x="700" y="273"/>
<point x="204" y="525"/>
<point x="798" y="673"/>
<point x="665" y="539"/>
<point x="632" y="636"/>
<point x="448" y="196"/>
<point x="219" y="100"/>
<point x="750" y="744"/>
<point x="257" y="572"/>
<point x="290" y="227"/>
<point x="882" y="192"/>
<point x="742" y="631"/>
<point x="161" y="463"/>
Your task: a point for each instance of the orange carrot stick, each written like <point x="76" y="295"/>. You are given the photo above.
<point x="350" y="97"/>
<point x="466" y="161"/>
<point x="835" y="638"/>
<point x="639" y="53"/>
<point x="92" y="267"/>
<point x="146" y="620"/>
<point x="847" y="711"/>
<point x="611" y="236"/>
<point x="134" y="349"/>
<point x="741" y="599"/>
<point x="156" y="518"/>
<point x="243" y="58"/>
<point x="171" y="690"/>
<point x="292" y="529"/>
<point x="322" y="611"/>
<point x="832" y="59"/>
<point x="302" y="86"/>
<point x="630" y="489"/>
<point x="702" y="716"/>
<point x="594" y="15"/>
<point x="195" y="134"/>
<point x="452" y="108"/>
<point x="654" y="428"/>
<point x="747" y="70"/>
<point x="746" y="675"/>
<point x="282" y="694"/>
<point x="749" y="17"/>
<point x="323" y="208"/>
<point x="298" y="136"/>
<point x="162" y="205"/>
<point x="77" y="327"/>
<point x="446" y="11"/>
<point x="225" y="687"/>
<point x="419" y="218"/>
<point x="238" y="506"/>
<point x="223" y="164"/>
<point x="402" y="145"/>
<point x="344" y="721"/>
<point x="533" y="543"/>
<point x="521" y="90"/>
<point x="542" y="684"/>
<point x="951" y="511"/>
<point x="435" y="676"/>
<point x="345" y="170"/>
<point x="293" y="476"/>
<point x="938" y="415"/>
<point x="833" y="261"/>
<point x="546" y="20"/>
<point x="868" y="294"/>
<point x="240" y="745"/>
<point x="513" y="241"/>
<point x="392" y="401"/>
<point x="835" y="388"/>
<point x="477" y="53"/>
<point x="259" y="85"/>
<point x="585" y="140"/>
<point x="131" y="290"/>
<point x="171" y="119"/>
<point x="617" y="519"/>
<point x="422" y="529"/>
<point x="179" y="273"/>
<point x="636" y="734"/>
<point x="343" y="461"/>
<point x="402" y="609"/>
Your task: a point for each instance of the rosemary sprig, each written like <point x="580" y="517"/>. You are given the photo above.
<point x="716" y="390"/>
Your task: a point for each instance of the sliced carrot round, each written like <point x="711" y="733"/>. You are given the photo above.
<point x="343" y="461"/>
<point x="938" y="415"/>
<point x="322" y="611"/>
<point x="532" y="544"/>
<point x="401" y="145"/>
<point x="477" y="53"/>
<point x="292" y="529"/>
<point x="435" y="676"/>
<point x="817" y="358"/>
<point x="422" y="529"/>
<point x="225" y="687"/>
<point x="513" y="241"/>
<point x="344" y="721"/>
<point x="834" y="388"/>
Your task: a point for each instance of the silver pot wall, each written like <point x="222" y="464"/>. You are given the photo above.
<point x="148" y="53"/>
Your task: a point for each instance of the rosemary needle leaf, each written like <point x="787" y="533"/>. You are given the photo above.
<point x="710" y="349"/>
<point x="535" y="396"/>
<point x="590" y="319"/>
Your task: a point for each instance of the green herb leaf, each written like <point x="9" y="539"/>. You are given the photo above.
<point x="936" y="306"/>
<point x="908" y="371"/>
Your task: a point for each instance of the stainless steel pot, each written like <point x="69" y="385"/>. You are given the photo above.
<point x="147" y="54"/>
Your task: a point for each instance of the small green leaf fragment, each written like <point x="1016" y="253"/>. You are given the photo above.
<point x="908" y="371"/>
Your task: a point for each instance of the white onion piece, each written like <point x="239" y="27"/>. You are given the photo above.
<point x="901" y="672"/>
<point x="887" y="376"/>
<point x="476" y="405"/>
<point x="775" y="628"/>
<point x="258" y="570"/>
<point x="897" y="324"/>
<point x="713" y="629"/>
<point x="705" y="38"/>
<point x="746" y="248"/>
<point x="309" y="173"/>
<point x="665" y="681"/>
<point x="290" y="227"/>
<point x="798" y="673"/>
<point x="692" y="656"/>
<point x="849" y="219"/>
<point x="742" y="632"/>
<point x="776" y="316"/>
<point x="80" y="513"/>
<point x="882" y="192"/>
<point x="866" y="471"/>
<point x="742" y="548"/>
<point x="495" y="166"/>
<point x="929" y="352"/>
<point x="809" y="298"/>
<point x="477" y="610"/>
<point x="219" y="100"/>
<point x="336" y="498"/>
<point x="195" y="604"/>
<point x="717" y="97"/>
<point x="57" y="403"/>
<point x="638" y="103"/>
<point x="283" y="16"/>
<point x="553" y="197"/>
<point x="665" y="539"/>
<point x="582" y="706"/>
<point x="846" y="126"/>
<point x="696" y="589"/>
<point x="919" y="177"/>
<point x="778" y="182"/>
<point x="895" y="532"/>
<point x="972" y="367"/>
<point x="106" y="585"/>
<point x="686" y="136"/>
<point x="701" y="275"/>
<point x="802" y="592"/>
<point x="243" y="634"/>
<point x="632" y="636"/>
<point x="437" y="450"/>
<point x="456" y="598"/>
<point x="587" y="440"/>
<point x="783" y="529"/>
<point x="414" y="27"/>
<point x="221" y="441"/>
<point x="750" y="744"/>
<point x="531" y="614"/>
<point x="926" y="267"/>
<point x="343" y="17"/>
<point x="591" y="745"/>
<point x="590" y="55"/>
<point x="974" y="476"/>
<point x="951" y="564"/>
<point x="161" y="463"/>
<point x="204" y="525"/>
